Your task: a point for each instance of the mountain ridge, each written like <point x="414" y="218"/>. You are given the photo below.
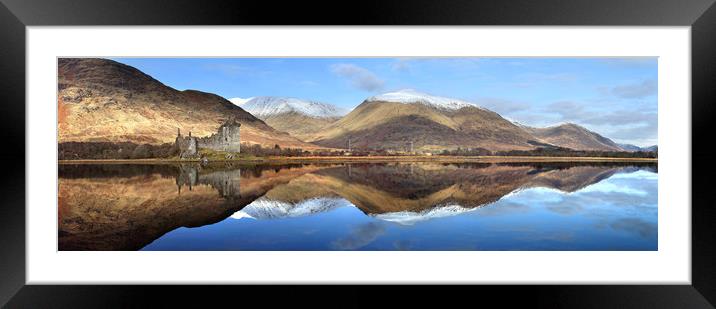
<point x="411" y="96"/>
<point x="266" y="106"/>
<point x="299" y="118"/>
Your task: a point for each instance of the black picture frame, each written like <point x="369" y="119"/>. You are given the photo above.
<point x="16" y="15"/>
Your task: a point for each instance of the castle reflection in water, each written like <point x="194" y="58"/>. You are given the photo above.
<point x="226" y="182"/>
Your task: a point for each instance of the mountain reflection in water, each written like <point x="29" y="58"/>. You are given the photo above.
<point x="410" y="206"/>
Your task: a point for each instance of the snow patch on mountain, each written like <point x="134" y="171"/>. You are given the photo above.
<point x="410" y="96"/>
<point x="240" y="101"/>
<point x="271" y="106"/>
<point x="265" y="208"/>
<point x="410" y="217"/>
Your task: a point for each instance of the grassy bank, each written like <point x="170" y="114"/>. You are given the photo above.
<point x="348" y="159"/>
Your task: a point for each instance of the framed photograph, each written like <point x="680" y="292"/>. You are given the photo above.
<point x="551" y="150"/>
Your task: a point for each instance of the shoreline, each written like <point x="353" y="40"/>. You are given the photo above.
<point x="369" y="159"/>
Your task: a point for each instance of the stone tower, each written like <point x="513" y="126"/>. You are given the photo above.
<point x="230" y="136"/>
<point x="227" y="138"/>
<point x="188" y="146"/>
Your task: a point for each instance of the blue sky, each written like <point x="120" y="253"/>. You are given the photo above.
<point x="616" y="97"/>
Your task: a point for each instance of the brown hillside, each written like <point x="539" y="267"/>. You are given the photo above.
<point x="573" y="136"/>
<point x="297" y="124"/>
<point x="104" y="100"/>
<point x="394" y="125"/>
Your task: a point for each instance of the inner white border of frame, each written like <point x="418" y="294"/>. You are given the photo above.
<point x="669" y="265"/>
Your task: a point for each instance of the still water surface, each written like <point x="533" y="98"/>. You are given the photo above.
<point x="411" y="206"/>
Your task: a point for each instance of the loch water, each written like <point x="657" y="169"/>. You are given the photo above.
<point x="376" y="206"/>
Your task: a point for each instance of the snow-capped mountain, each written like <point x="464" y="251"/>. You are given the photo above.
<point x="240" y="101"/>
<point x="394" y="120"/>
<point x="297" y="117"/>
<point x="632" y="148"/>
<point x="410" y="217"/>
<point x="264" y="208"/>
<point x="409" y="96"/>
<point x="264" y="107"/>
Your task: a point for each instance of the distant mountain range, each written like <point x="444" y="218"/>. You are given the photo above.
<point x="396" y="119"/>
<point x="104" y="100"/>
<point x="393" y="120"/>
<point x="300" y="118"/>
<point x="573" y="136"/>
<point x="634" y="148"/>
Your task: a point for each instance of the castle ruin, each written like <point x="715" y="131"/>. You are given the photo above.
<point x="227" y="182"/>
<point x="227" y="139"/>
<point x="187" y="146"/>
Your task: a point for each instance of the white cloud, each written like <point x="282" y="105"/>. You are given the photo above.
<point x="635" y="91"/>
<point x="359" y="77"/>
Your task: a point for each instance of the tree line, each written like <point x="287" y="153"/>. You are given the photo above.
<point x="129" y="150"/>
<point x="566" y="152"/>
<point x="112" y="150"/>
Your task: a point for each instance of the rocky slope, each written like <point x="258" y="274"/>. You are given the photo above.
<point x="104" y="100"/>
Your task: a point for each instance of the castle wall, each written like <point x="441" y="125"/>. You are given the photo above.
<point x="227" y="139"/>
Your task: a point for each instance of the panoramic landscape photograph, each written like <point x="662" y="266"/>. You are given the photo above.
<point x="372" y="154"/>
